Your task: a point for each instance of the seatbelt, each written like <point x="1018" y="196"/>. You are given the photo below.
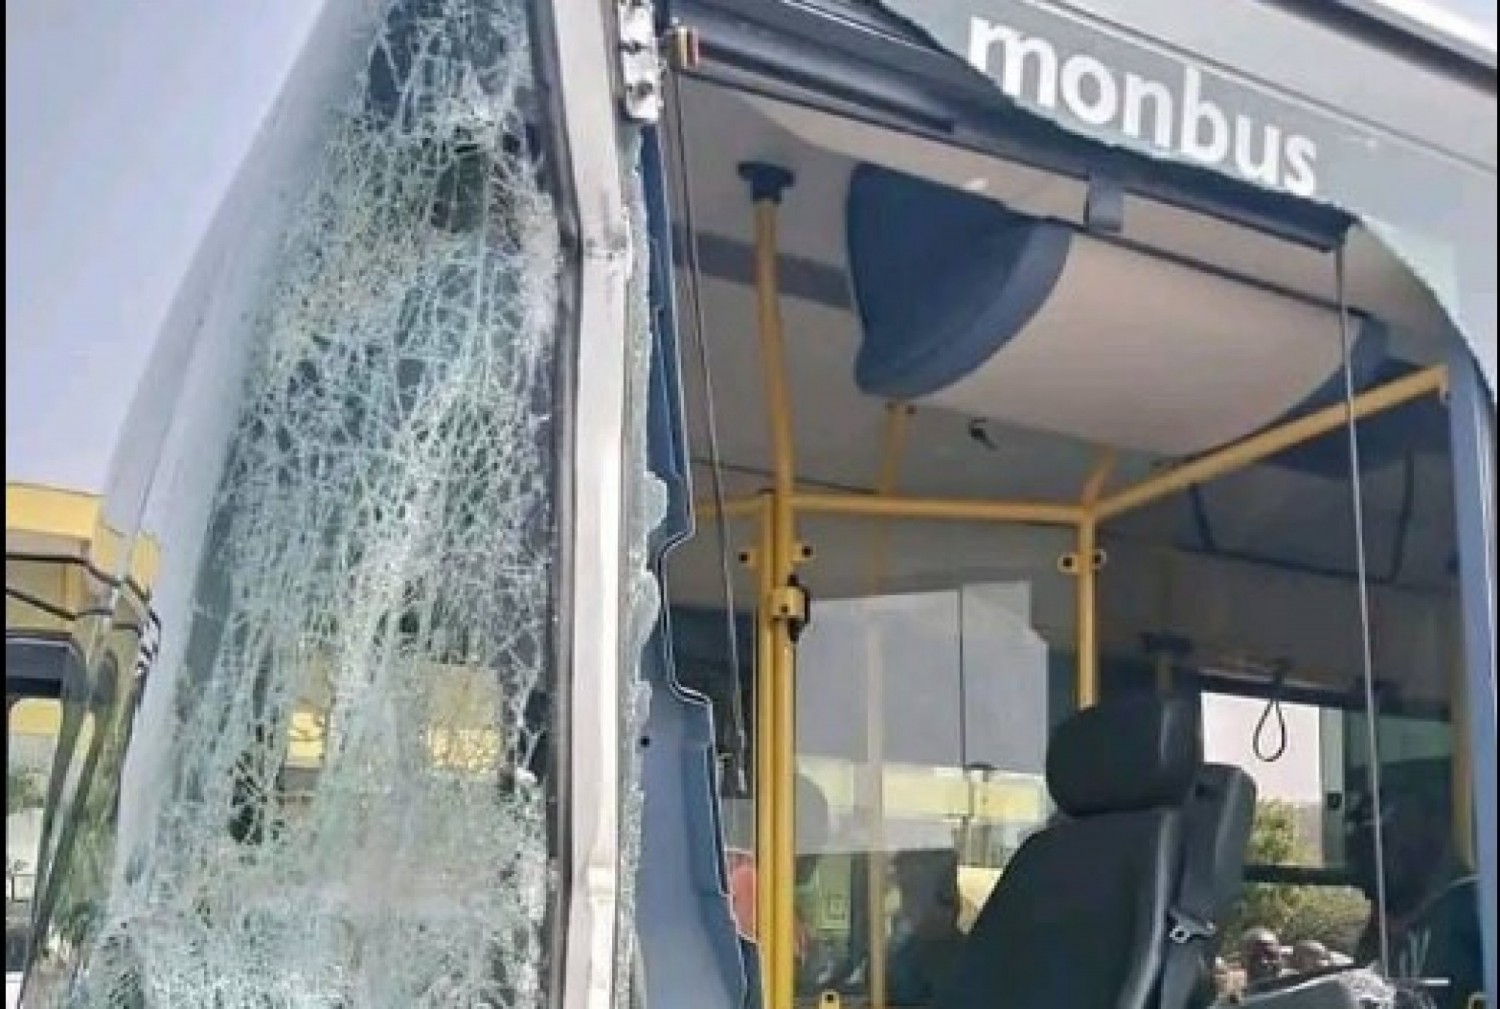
<point x="1190" y="921"/>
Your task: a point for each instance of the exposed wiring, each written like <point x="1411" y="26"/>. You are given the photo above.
<point x="1201" y="520"/>
<point x="1403" y="520"/>
<point x="739" y="743"/>
<point x="1367" y="657"/>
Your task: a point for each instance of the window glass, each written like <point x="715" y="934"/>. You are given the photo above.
<point x="1411" y="825"/>
<point x="922" y="725"/>
<point x="31" y="743"/>
<point x="76" y="863"/>
<point x="1246" y="591"/>
<point x="1294" y="789"/>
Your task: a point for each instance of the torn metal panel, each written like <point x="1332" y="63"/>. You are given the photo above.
<point x="1105" y="79"/>
<point x="610" y="504"/>
<point x="688" y="938"/>
<point x="646" y="505"/>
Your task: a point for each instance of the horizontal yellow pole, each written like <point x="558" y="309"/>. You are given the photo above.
<point x="887" y="506"/>
<point x="1262" y="446"/>
<point x="938" y="509"/>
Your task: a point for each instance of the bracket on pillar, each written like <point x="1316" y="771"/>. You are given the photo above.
<point x="1068" y="562"/>
<point x="767" y="181"/>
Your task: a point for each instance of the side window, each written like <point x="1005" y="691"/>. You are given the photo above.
<point x="1292" y="752"/>
<point x="941" y="701"/>
<point x="32" y="727"/>
<point x="1299" y="880"/>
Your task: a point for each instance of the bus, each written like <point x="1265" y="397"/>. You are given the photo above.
<point x="795" y="503"/>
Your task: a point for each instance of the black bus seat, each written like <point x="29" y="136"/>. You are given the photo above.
<point x="1084" y="915"/>
<point x="1219" y="817"/>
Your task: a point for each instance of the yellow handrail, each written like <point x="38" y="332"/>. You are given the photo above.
<point x="765" y="740"/>
<point x="775" y="666"/>
<point x="939" y="509"/>
<point x="1087" y="573"/>
<point x="1268" y="443"/>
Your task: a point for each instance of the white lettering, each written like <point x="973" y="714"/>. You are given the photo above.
<point x="1268" y="168"/>
<point x="1195" y="113"/>
<point x="1137" y="90"/>
<point x="1301" y="178"/>
<point x="1097" y="108"/>
<point x="1015" y="48"/>
<point x="1188" y="123"/>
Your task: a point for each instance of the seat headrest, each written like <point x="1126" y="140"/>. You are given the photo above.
<point x="1130" y="753"/>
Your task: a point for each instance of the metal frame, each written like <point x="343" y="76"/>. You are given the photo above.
<point x="781" y="607"/>
<point x="1472" y="418"/>
<point x="579" y="40"/>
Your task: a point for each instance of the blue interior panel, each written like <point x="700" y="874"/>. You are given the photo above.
<point x="688" y="939"/>
<point x="943" y="279"/>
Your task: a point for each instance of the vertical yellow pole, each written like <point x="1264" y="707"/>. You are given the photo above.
<point x="1088" y="631"/>
<point x="1088" y="581"/>
<point x="896" y="422"/>
<point x="783" y="933"/>
<point x="765" y="736"/>
<point x="776" y="868"/>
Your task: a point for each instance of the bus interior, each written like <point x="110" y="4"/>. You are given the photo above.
<point x="979" y="439"/>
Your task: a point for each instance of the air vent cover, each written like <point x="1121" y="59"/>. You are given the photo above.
<point x="972" y="307"/>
